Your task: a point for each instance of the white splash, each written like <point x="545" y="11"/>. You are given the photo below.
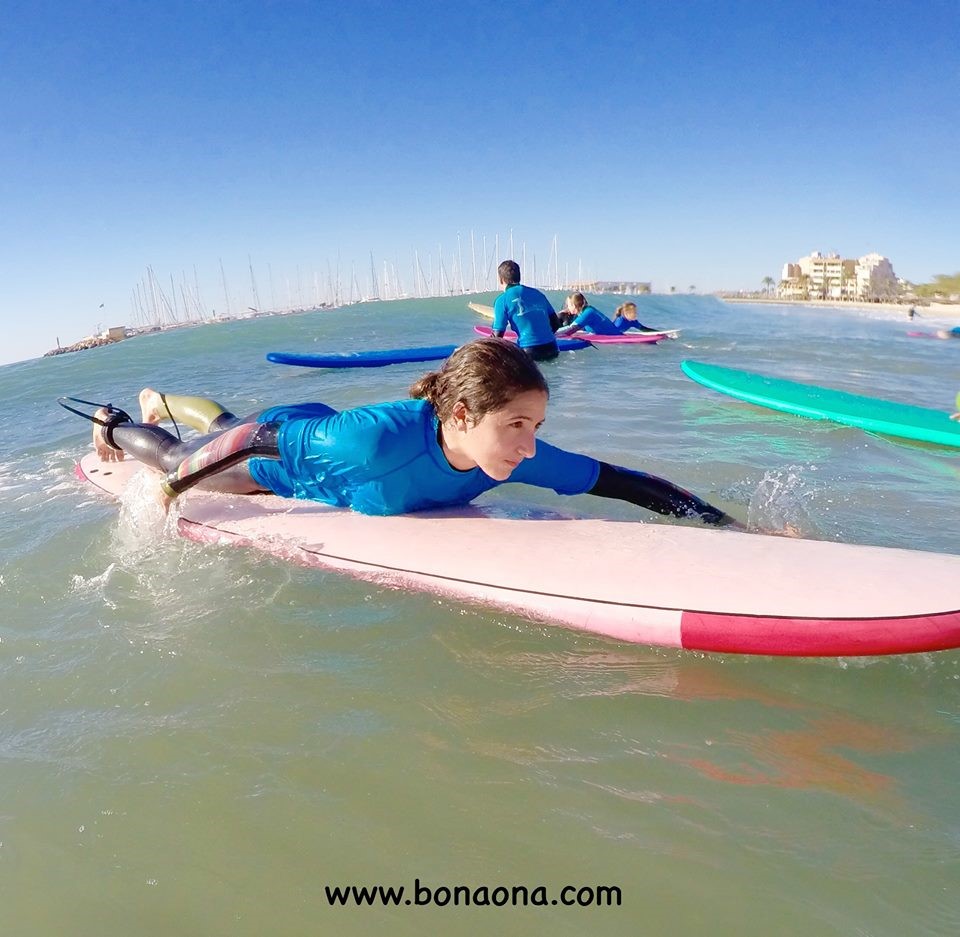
<point x="144" y="521"/>
<point x="778" y="501"/>
<point x="96" y="585"/>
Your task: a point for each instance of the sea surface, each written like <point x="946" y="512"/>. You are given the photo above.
<point x="198" y="740"/>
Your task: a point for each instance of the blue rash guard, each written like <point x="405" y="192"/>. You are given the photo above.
<point x="528" y="311"/>
<point x="386" y="459"/>
<point x="593" y="320"/>
<point x="623" y="324"/>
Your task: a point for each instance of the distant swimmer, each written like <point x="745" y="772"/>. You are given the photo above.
<point x="528" y="312"/>
<point x="588" y="318"/>
<point x="470" y="427"/>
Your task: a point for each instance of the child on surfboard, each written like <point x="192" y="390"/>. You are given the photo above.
<point x="469" y="427"/>
<point x="626" y="319"/>
<point x="587" y="318"/>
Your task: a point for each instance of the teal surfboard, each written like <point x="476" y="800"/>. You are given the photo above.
<point x="822" y="403"/>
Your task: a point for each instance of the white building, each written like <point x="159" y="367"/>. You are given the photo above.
<point x="830" y="276"/>
<point x="875" y="278"/>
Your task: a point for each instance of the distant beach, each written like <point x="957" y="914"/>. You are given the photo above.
<point x="923" y="311"/>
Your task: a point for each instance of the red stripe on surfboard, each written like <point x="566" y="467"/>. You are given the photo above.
<point x="819" y="637"/>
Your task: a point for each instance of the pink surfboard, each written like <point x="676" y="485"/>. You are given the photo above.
<point x="487" y="312"/>
<point x="636" y="338"/>
<point x="702" y="589"/>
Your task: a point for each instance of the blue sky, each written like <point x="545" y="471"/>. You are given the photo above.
<point x="685" y="144"/>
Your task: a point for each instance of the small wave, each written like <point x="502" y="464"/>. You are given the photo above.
<point x="94" y="585"/>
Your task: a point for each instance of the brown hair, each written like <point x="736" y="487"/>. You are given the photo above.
<point x="509" y="272"/>
<point x="577" y="301"/>
<point x="486" y="375"/>
<point x="623" y="307"/>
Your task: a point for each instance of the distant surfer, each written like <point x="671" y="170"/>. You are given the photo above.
<point x="949" y="333"/>
<point x="587" y="318"/>
<point x="527" y="311"/>
<point x="469" y="427"/>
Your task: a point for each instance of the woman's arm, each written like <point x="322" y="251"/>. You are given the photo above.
<point x="500" y="321"/>
<point x="570" y="473"/>
<point x="656" y="494"/>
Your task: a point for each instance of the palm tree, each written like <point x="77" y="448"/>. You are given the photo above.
<point x="692" y="289"/>
<point x="767" y="284"/>
<point x="673" y="289"/>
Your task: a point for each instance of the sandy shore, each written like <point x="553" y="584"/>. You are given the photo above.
<point x="930" y="311"/>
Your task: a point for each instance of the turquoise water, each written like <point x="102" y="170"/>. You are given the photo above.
<point x="198" y="740"/>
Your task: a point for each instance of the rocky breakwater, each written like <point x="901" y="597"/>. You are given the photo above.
<point x="94" y="341"/>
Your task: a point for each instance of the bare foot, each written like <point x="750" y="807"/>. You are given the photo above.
<point x="106" y="452"/>
<point x="152" y="407"/>
<point x="955" y="416"/>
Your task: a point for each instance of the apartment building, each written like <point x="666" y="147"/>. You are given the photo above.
<point x="830" y="276"/>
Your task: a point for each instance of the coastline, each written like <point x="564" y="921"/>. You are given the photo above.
<point x="928" y="311"/>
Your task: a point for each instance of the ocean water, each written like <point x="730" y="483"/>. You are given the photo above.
<point x="202" y="740"/>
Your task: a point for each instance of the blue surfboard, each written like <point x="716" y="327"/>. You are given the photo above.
<point x="363" y="359"/>
<point x="380" y="359"/>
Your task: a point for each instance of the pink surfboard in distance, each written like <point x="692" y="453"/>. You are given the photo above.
<point x="698" y="588"/>
<point x="635" y="338"/>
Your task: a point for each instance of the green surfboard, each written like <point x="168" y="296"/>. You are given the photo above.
<point x="822" y="403"/>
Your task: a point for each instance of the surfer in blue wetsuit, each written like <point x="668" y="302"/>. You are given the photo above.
<point x="527" y="311"/>
<point x="626" y="319"/>
<point x="588" y="318"/>
<point x="470" y="427"/>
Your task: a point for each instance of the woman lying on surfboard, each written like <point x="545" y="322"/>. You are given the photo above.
<point x="470" y="427"/>
<point x="587" y="318"/>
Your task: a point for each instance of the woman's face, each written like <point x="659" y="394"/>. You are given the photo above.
<point x="501" y="439"/>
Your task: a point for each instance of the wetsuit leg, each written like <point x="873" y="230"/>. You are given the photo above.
<point x="209" y="463"/>
<point x="545" y="352"/>
<point x="216" y="462"/>
<point x="152" y="445"/>
<point x="199" y="413"/>
<point x="208" y="416"/>
<point x="655" y="494"/>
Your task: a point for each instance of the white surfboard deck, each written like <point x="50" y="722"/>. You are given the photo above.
<point x="649" y="583"/>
